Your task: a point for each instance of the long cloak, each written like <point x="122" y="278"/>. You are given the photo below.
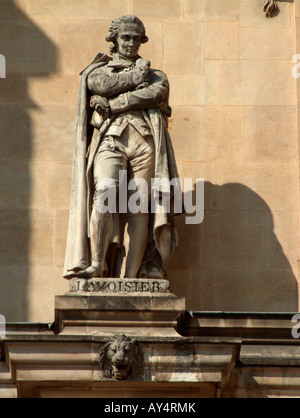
<point x="163" y="238"/>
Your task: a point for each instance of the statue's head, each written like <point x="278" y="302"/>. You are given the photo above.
<point x="127" y="33"/>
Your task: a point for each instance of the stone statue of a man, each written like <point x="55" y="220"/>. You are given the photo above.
<point x="121" y="125"/>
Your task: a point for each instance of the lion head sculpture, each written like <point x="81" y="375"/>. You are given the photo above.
<point x="121" y="358"/>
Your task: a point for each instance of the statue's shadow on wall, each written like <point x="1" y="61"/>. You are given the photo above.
<point x="29" y="54"/>
<point x="233" y="260"/>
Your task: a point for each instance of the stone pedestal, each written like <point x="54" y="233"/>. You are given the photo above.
<point x="135" y="307"/>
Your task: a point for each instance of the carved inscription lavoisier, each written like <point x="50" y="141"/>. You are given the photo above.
<point x="119" y="286"/>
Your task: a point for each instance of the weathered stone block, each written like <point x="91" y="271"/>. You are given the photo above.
<point x="183" y="59"/>
<point x="176" y="90"/>
<point x="224" y="133"/>
<point x="221" y="40"/>
<point x="22" y="182"/>
<point x="156" y="9"/>
<point x="61" y="221"/>
<point x="153" y="49"/>
<point x="248" y="82"/>
<point x="84" y="9"/>
<point x="220" y="10"/>
<point x="138" y="313"/>
<point x="33" y="50"/>
<point x="185" y="127"/>
<point x="252" y="15"/>
<point x="59" y="184"/>
<point x="202" y="89"/>
<point x="77" y="32"/>
<point x="266" y="43"/>
<point x="259" y="187"/>
<point x="271" y="134"/>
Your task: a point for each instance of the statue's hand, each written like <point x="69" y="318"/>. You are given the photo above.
<point x="100" y="104"/>
<point x="142" y="85"/>
<point x="141" y="71"/>
<point x="142" y="63"/>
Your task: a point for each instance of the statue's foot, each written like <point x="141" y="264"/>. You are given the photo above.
<point x="90" y="272"/>
<point x="155" y="274"/>
<point x="152" y="272"/>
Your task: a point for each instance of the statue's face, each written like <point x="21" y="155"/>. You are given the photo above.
<point x="129" y="40"/>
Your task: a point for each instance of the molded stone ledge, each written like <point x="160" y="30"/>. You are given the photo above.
<point x="255" y="325"/>
<point x="164" y="360"/>
<point x="266" y="355"/>
<point x="248" y="366"/>
<point x="150" y="314"/>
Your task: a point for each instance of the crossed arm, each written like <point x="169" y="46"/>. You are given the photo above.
<point x="128" y="91"/>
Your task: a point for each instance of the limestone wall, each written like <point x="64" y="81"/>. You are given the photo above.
<point x="234" y="124"/>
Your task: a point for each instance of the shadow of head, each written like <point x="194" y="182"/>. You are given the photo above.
<point x="233" y="260"/>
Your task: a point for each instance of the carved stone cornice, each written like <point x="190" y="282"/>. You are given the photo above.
<point x="218" y="354"/>
<point x="270" y="7"/>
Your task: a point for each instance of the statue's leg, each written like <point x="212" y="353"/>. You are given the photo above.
<point x="101" y="227"/>
<point x="141" y="166"/>
<point x="107" y="164"/>
<point x="137" y="229"/>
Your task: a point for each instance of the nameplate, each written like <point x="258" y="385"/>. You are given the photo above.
<point x="120" y="286"/>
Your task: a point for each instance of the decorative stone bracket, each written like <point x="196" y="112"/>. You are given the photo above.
<point x="270" y="7"/>
<point x="121" y="358"/>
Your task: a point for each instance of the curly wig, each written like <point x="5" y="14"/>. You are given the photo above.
<point x="114" y="30"/>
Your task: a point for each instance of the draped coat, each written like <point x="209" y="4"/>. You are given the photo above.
<point x="152" y="101"/>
